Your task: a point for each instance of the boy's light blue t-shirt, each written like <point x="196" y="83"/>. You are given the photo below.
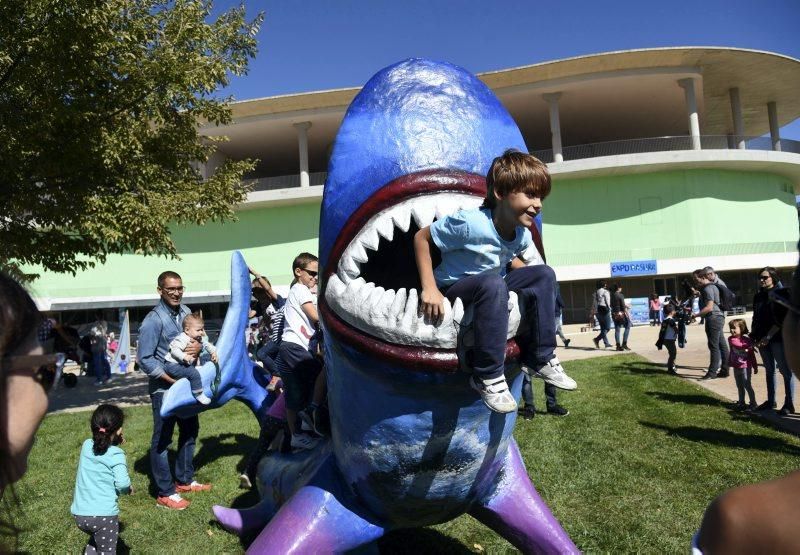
<point x="100" y="480"/>
<point x="470" y="245"/>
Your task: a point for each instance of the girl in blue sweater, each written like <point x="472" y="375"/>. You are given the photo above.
<point x="102" y="477"/>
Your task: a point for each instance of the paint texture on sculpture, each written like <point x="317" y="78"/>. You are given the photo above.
<point x="411" y="443"/>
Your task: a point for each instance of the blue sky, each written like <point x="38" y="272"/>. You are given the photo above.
<point x="310" y="45"/>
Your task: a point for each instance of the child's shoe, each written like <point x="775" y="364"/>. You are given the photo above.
<point x="739" y="406"/>
<point x="494" y="393"/>
<point x="244" y="481"/>
<point x="303" y="441"/>
<point x="306" y="417"/>
<point x="552" y="373"/>
<point x="527" y="412"/>
<point x="672" y="370"/>
<point x="202" y="398"/>
<point x="566" y="343"/>
<point x="752" y="407"/>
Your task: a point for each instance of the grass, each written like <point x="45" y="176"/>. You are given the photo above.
<point x="631" y="469"/>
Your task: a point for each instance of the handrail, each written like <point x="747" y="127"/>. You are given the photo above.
<point x="577" y="152"/>
<point x="663" y="144"/>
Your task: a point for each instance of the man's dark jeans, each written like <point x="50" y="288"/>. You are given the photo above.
<point x="717" y="345"/>
<point x="488" y="294"/>
<point x="163" y="428"/>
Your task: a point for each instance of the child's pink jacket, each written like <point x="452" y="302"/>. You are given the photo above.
<point x="742" y="343"/>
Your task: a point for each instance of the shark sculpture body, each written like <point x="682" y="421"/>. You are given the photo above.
<point x="411" y="443"/>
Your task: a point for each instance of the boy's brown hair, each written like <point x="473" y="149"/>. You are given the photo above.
<point x="514" y="172"/>
<point x="193" y="318"/>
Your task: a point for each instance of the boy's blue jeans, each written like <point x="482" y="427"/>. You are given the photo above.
<point x="488" y="295"/>
<point x="179" y="371"/>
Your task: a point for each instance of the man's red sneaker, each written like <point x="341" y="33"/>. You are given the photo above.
<point x="174" y="501"/>
<point x="194" y="486"/>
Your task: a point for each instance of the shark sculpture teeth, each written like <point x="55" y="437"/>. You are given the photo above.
<point x="422" y="208"/>
<point x="394" y="315"/>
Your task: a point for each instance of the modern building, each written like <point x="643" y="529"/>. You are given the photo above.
<point x="664" y="160"/>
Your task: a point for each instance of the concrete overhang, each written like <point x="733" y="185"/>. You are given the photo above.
<point x="634" y="90"/>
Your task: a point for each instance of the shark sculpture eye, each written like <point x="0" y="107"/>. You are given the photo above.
<point x="375" y="284"/>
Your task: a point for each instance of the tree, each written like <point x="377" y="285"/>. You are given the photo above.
<point x="100" y="106"/>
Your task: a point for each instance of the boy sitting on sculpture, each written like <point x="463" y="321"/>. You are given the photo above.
<point x="484" y="254"/>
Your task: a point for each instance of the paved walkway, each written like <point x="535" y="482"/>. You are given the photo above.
<point x="692" y="361"/>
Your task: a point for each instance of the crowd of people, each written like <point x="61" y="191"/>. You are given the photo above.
<point x="286" y="344"/>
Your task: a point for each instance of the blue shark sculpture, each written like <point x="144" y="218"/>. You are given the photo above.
<point x="411" y="444"/>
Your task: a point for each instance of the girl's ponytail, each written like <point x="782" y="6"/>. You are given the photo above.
<point x="106" y="422"/>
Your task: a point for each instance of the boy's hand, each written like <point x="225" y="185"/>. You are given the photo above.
<point x="432" y="305"/>
<point x="214" y="357"/>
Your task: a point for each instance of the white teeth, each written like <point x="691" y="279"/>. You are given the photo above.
<point x="397" y="305"/>
<point x="358" y="252"/>
<point x="423" y="213"/>
<point x="401" y="216"/>
<point x="458" y="311"/>
<point x="395" y="316"/>
<point x="385" y="227"/>
<point x="349" y="267"/>
<point x="370" y="239"/>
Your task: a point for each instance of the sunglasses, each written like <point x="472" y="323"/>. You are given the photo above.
<point x="764" y="278"/>
<point x="48" y="368"/>
<point x="309" y="272"/>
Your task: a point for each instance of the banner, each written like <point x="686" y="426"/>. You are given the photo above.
<point x="640" y="310"/>
<point x="124" y="347"/>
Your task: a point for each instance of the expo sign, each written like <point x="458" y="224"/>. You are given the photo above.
<point x="634" y="268"/>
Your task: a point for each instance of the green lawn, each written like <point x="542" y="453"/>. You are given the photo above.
<point x="631" y="469"/>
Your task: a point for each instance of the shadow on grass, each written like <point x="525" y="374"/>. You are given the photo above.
<point x="212" y="448"/>
<point x="687" y="398"/>
<point x="419" y="540"/>
<point x="726" y="438"/>
<point x="643" y="367"/>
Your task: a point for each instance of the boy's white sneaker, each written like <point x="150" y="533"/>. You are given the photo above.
<point x="552" y="373"/>
<point x="303" y="441"/>
<point x="495" y="394"/>
<point x="203" y="399"/>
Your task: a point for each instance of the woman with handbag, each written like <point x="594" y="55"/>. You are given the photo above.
<point x="622" y="319"/>
<point x="601" y="307"/>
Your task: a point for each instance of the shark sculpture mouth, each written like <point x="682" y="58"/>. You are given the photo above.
<point x="371" y="285"/>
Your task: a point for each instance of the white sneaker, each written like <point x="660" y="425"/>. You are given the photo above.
<point x="494" y="394"/>
<point x="203" y="399"/>
<point x="244" y="481"/>
<point x="303" y="441"/>
<point x="552" y="373"/>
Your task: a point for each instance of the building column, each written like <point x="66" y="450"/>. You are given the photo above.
<point x="691" y="110"/>
<point x="774" y="130"/>
<point x="302" y="144"/>
<point x="555" y="125"/>
<point x="736" y="112"/>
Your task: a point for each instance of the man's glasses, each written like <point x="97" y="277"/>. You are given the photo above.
<point x="171" y="290"/>
<point x="309" y="272"/>
<point x="48" y="367"/>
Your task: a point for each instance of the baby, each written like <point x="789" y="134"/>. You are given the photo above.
<point x="182" y="365"/>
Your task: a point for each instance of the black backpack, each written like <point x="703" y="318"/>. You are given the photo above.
<point x="727" y="298"/>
